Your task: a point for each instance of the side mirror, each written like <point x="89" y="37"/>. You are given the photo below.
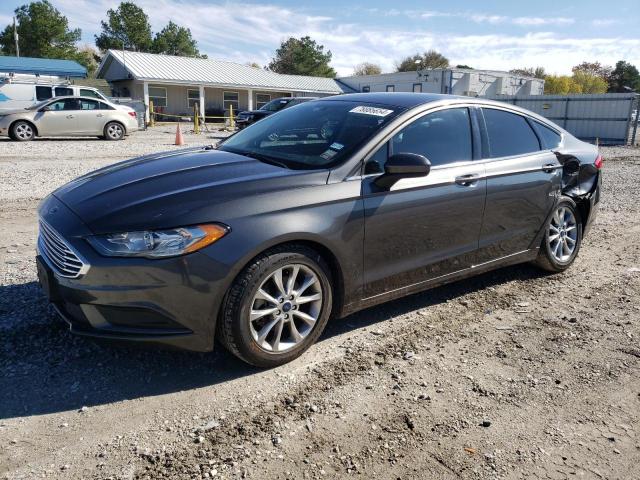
<point x="403" y="165"/>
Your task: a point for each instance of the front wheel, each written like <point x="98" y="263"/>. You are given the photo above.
<point x="562" y="239"/>
<point x="113" y="131"/>
<point x="277" y="307"/>
<point x="22" y="131"/>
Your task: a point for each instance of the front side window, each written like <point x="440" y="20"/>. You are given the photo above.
<point x="549" y="138"/>
<point x="509" y="134"/>
<point x="262" y="99"/>
<point x="158" y="95"/>
<point x="231" y="99"/>
<point x="63" y="91"/>
<point x="193" y="97"/>
<point x="443" y="137"/>
<point x="43" y="93"/>
<point x="312" y="135"/>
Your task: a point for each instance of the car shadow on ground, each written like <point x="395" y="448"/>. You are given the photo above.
<point x="45" y="369"/>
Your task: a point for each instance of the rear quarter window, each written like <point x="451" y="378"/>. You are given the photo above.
<point x="548" y="137"/>
<point x="509" y="134"/>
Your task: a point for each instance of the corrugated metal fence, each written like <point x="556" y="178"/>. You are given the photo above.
<point x="609" y="118"/>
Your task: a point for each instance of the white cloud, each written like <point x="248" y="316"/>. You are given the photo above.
<point x="521" y="21"/>
<point x="252" y="32"/>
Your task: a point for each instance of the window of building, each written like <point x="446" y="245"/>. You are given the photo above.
<point x="158" y="95"/>
<point x="262" y="99"/>
<point x="391" y="88"/>
<point x="443" y="137"/>
<point x="509" y="134"/>
<point x="43" y="93"/>
<point x="193" y="97"/>
<point x="417" y="88"/>
<point x="63" y="91"/>
<point x="366" y="89"/>
<point x="230" y="99"/>
<point x="548" y="137"/>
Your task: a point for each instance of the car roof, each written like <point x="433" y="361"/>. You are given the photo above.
<point x="395" y="99"/>
<point x="78" y="97"/>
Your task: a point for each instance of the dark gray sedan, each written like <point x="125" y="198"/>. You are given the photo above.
<point x="317" y="211"/>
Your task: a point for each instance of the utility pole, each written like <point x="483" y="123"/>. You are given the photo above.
<point x="15" y="36"/>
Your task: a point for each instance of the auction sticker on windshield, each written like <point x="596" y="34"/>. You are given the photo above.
<point x="375" y="111"/>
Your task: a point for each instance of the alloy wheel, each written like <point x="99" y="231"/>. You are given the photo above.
<point x="285" y="308"/>
<point x="23" y="131"/>
<point x="114" y="131"/>
<point x="563" y="234"/>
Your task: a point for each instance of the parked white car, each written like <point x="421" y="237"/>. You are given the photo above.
<point x="69" y="117"/>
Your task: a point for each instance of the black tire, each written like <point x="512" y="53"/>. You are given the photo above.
<point x="114" y="131"/>
<point x="22" y="131"/>
<point x="547" y="259"/>
<point x="234" y="326"/>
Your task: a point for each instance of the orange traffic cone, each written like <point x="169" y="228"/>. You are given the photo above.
<point x="179" y="139"/>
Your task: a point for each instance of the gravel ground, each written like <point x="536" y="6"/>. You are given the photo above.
<point x="512" y="374"/>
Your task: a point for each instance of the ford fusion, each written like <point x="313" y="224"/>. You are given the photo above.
<point x="317" y="211"/>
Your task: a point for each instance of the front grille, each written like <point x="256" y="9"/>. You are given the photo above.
<point x="59" y="255"/>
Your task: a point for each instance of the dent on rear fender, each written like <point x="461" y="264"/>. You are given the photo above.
<point x="578" y="178"/>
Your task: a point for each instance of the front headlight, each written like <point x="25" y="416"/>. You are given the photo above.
<point x="158" y="243"/>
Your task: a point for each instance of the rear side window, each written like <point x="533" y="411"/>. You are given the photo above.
<point x="63" y="91"/>
<point x="549" y="138"/>
<point x="43" y="93"/>
<point x="509" y="134"/>
<point x="443" y="137"/>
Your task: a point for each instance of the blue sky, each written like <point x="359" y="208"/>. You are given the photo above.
<point x="490" y="35"/>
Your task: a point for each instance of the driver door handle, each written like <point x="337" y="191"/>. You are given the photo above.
<point x="69" y="116"/>
<point x="468" y="180"/>
<point x="550" y="167"/>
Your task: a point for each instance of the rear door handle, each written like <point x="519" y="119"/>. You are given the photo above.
<point x="468" y="180"/>
<point x="69" y="116"/>
<point x="99" y="115"/>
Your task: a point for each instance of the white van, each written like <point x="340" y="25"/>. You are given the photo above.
<point x="18" y="94"/>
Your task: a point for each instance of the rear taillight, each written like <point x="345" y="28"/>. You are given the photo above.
<point x="598" y="163"/>
<point x="133" y="114"/>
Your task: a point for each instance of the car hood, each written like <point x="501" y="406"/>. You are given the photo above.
<point x="178" y="188"/>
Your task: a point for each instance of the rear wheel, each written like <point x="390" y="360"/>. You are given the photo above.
<point x="562" y="239"/>
<point x="22" y="131"/>
<point x="277" y="307"/>
<point x="113" y="131"/>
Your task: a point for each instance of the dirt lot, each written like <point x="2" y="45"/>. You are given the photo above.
<point x="513" y="374"/>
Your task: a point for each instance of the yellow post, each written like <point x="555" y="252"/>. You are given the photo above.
<point x="232" y="122"/>
<point x="196" y="119"/>
<point x="152" y="120"/>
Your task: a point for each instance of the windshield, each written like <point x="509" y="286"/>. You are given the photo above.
<point x="311" y="135"/>
<point x="275" y="105"/>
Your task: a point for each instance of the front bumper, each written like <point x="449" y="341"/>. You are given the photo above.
<point x="173" y="301"/>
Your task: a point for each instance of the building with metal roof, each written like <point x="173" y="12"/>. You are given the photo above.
<point x="174" y="84"/>
<point x="41" y="66"/>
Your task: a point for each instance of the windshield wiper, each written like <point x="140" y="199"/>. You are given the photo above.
<point x="263" y="158"/>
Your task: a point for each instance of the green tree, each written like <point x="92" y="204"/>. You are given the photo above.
<point x="589" y="83"/>
<point x="43" y="32"/>
<point x="595" y="69"/>
<point x="302" y="56"/>
<point x="367" y="68"/>
<point x="175" y="40"/>
<point x="88" y="57"/>
<point x="537" y="72"/>
<point x="128" y="27"/>
<point x="625" y="76"/>
<point x="560" y="85"/>
<point x="427" y="60"/>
